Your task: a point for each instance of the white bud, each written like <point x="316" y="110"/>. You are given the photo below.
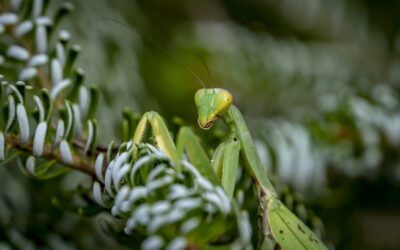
<point x="215" y="200"/>
<point x="179" y="243"/>
<point x="27" y="74"/>
<point x="137" y="193"/>
<point x="84" y="100"/>
<point x="11" y="112"/>
<point x="41" y="39"/>
<point x="15" y="5"/>
<point x="159" y="183"/>
<point x="160" y="207"/>
<point x="23" y="28"/>
<point x="2" y="146"/>
<point x="56" y="72"/>
<point x="60" y="51"/>
<point x="187" y="204"/>
<point x="18" y="53"/>
<point x="40" y="106"/>
<point x="178" y="191"/>
<point x="224" y="199"/>
<point x="122" y="195"/>
<point x="30" y="165"/>
<point x="78" y="121"/>
<point x="120" y="174"/>
<point x="90" y="137"/>
<point x="97" y="195"/>
<point x="142" y="214"/>
<point x="38" y="60"/>
<point x="130" y="224"/>
<point x="37" y="8"/>
<point x="38" y="140"/>
<point x="64" y="35"/>
<point x="59" y="132"/>
<point x="189" y="225"/>
<point x="8" y="18"/>
<point x="44" y="21"/>
<point x="142" y="161"/>
<point x="65" y="152"/>
<point x="175" y="215"/>
<point x="119" y="161"/>
<point x="155" y="172"/>
<point x="154" y="242"/>
<point x="245" y="227"/>
<point x="23" y="123"/>
<point x="108" y="179"/>
<point x="69" y="121"/>
<point x="155" y="223"/>
<point x="16" y="91"/>
<point x="204" y="183"/>
<point x="56" y="90"/>
<point x="99" y="167"/>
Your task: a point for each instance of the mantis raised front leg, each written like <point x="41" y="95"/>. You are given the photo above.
<point x="279" y="227"/>
<point x="186" y="141"/>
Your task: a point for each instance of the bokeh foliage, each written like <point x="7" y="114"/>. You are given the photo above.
<point x="317" y="80"/>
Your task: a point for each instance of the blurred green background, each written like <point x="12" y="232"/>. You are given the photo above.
<point x="318" y="82"/>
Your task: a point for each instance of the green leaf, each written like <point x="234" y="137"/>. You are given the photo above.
<point x="67" y="204"/>
<point x="94" y="141"/>
<point x="49" y="169"/>
<point x="90" y="210"/>
<point x="72" y="55"/>
<point x="129" y="123"/>
<point x="94" y="101"/>
<point x="77" y="81"/>
<point x="65" y="8"/>
<point x="110" y="151"/>
<point x="10" y="156"/>
<point x="208" y="232"/>
<point x="47" y="103"/>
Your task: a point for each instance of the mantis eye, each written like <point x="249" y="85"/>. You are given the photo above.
<point x="208" y="125"/>
<point x="223" y="102"/>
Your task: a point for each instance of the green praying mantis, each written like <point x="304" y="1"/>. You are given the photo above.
<point x="279" y="227"/>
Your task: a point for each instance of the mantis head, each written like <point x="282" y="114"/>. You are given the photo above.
<point x="211" y="105"/>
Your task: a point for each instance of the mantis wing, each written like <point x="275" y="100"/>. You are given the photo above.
<point x="288" y="230"/>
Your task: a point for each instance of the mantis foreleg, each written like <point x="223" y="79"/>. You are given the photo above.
<point x="162" y="137"/>
<point x="188" y="142"/>
<point x="238" y="127"/>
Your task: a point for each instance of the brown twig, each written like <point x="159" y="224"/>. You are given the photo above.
<point x="79" y="163"/>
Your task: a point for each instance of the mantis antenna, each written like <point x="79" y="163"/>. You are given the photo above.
<point x="208" y="71"/>
<point x="207" y="68"/>
<point x="160" y="47"/>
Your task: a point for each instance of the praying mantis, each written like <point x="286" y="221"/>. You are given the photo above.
<point x="279" y="227"/>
